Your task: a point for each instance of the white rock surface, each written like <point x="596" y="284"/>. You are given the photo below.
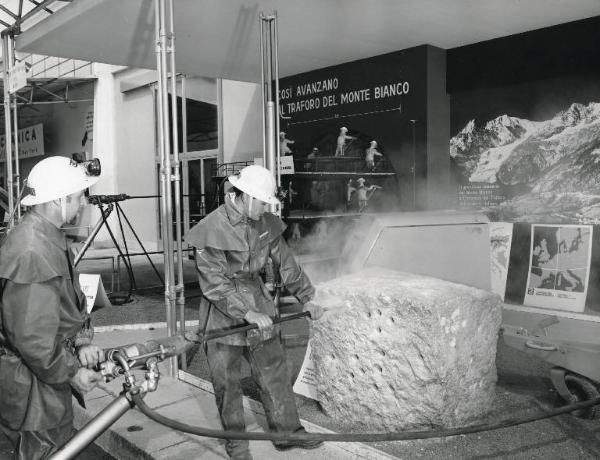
<point x="398" y="351"/>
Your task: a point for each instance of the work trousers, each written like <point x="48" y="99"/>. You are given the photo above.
<point x="37" y="445"/>
<point x="269" y="370"/>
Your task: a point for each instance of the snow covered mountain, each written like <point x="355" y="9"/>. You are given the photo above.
<point x="557" y="156"/>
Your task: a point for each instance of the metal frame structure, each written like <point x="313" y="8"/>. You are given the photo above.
<point x="169" y="173"/>
<point x="40" y="91"/>
<point x="167" y="139"/>
<point x="165" y="48"/>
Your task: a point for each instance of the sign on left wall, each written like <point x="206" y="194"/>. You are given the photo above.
<point x="31" y="142"/>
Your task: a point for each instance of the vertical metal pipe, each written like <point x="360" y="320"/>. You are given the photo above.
<point x="8" y="135"/>
<point x="268" y="59"/>
<point x="159" y="116"/>
<point x="167" y="227"/>
<point x="184" y="129"/>
<point x="186" y="188"/>
<point x="261" y="21"/>
<point x="186" y="201"/>
<point x="270" y="133"/>
<point x="177" y="169"/>
<point x="270" y="121"/>
<point x="17" y="174"/>
<point x="159" y="125"/>
<point x="276" y="78"/>
<point x="170" y="291"/>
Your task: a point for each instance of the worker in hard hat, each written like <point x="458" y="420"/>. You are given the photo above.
<point x="340" y="149"/>
<point x="370" y="153"/>
<point x="233" y="244"/>
<point x="363" y="193"/>
<point x="46" y="353"/>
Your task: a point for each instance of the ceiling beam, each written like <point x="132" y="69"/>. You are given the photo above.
<point x="33" y="11"/>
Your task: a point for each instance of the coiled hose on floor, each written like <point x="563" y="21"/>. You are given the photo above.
<point x="355" y="437"/>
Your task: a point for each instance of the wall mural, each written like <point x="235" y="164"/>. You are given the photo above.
<point x="532" y="170"/>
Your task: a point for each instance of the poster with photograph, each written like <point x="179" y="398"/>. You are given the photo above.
<point x="559" y="266"/>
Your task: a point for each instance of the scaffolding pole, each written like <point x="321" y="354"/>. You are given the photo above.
<point x="8" y="131"/>
<point x="17" y="173"/>
<point x="270" y="92"/>
<point x="177" y="169"/>
<point x="275" y="58"/>
<point x="166" y="176"/>
<point x="261" y="22"/>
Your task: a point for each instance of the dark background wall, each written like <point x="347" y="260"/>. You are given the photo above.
<point x="531" y="75"/>
<point x="384" y="119"/>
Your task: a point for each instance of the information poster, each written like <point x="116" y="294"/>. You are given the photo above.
<point x="559" y="266"/>
<point x="500" y="242"/>
<point x="306" y="383"/>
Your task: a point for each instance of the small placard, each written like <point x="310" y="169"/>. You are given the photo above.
<point x="286" y="165"/>
<point x="306" y="382"/>
<point x="95" y="295"/>
<point x="17" y="77"/>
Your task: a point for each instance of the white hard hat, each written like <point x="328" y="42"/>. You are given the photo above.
<point x="257" y="181"/>
<point x="343" y="128"/>
<point x="55" y="177"/>
<point x="282" y="133"/>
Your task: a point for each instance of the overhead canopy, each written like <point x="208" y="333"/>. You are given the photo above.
<point x="220" y="38"/>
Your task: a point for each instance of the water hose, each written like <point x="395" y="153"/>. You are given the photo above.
<point x="336" y="437"/>
<point x="354" y="437"/>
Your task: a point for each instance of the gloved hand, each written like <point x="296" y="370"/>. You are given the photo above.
<point x="262" y="320"/>
<point x="265" y="327"/>
<point x="314" y="309"/>
<point x="90" y="356"/>
<point x="85" y="380"/>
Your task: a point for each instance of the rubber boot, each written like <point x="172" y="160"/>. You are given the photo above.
<point x="287" y="445"/>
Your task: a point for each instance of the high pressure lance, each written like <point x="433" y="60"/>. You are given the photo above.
<point x="122" y="360"/>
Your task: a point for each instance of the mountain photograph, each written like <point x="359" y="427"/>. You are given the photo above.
<point x="549" y="170"/>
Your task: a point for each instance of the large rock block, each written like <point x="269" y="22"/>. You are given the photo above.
<point x="398" y="351"/>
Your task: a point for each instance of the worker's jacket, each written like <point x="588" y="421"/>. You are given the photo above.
<point x="231" y="251"/>
<point x="42" y="321"/>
